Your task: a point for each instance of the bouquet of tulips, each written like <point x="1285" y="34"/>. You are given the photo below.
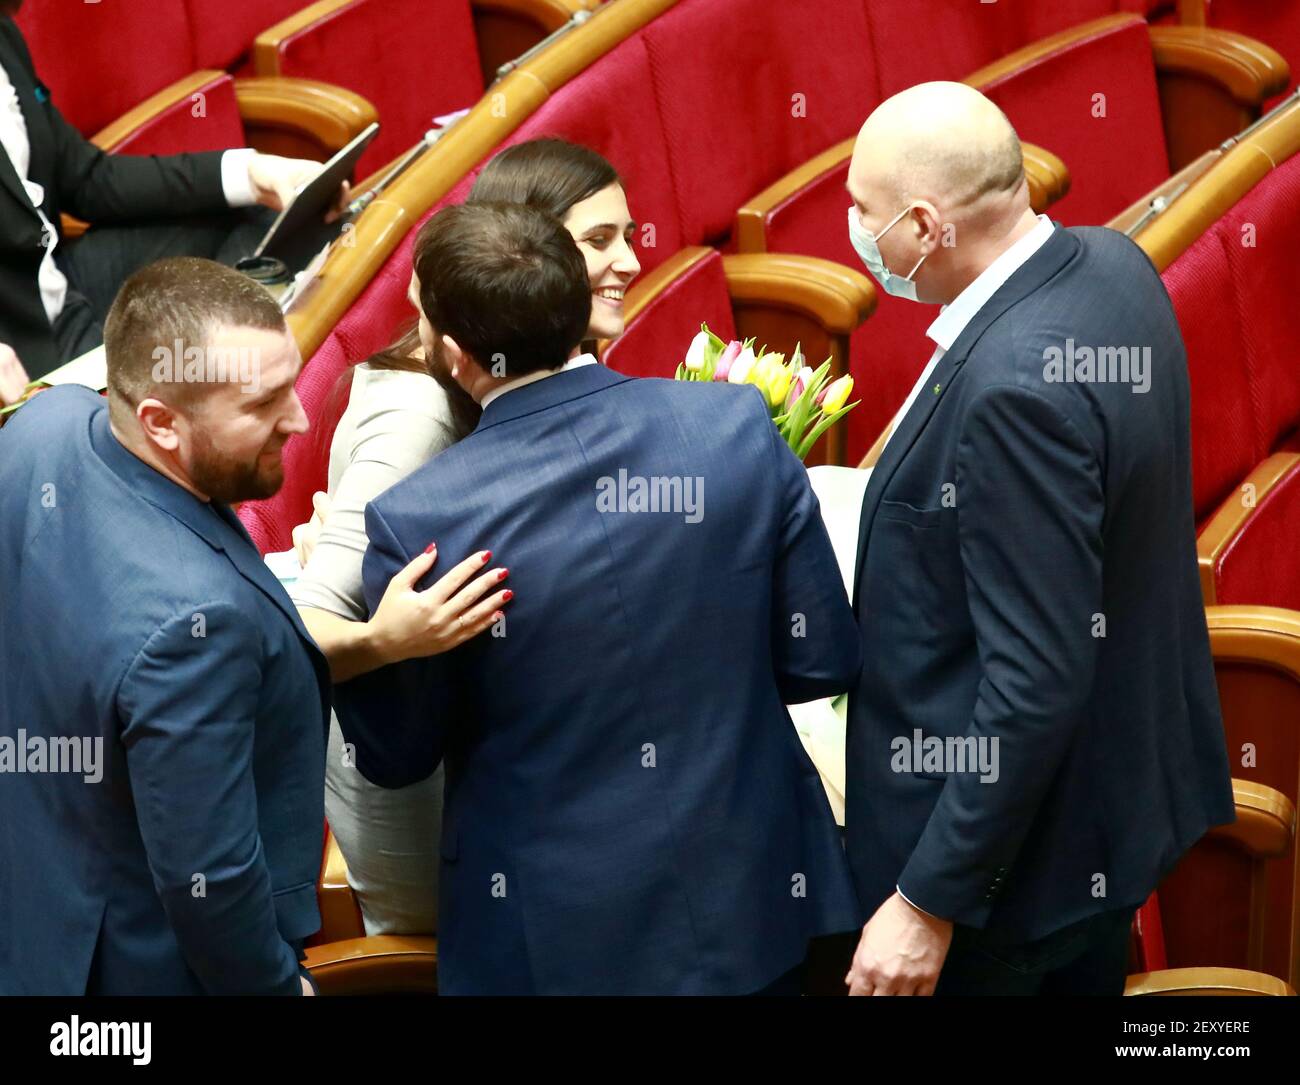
<point x="804" y="402"/>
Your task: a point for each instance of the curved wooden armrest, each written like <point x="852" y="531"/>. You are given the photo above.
<point x="266" y="46"/>
<point x="1048" y="177"/>
<point x="1214" y="191"/>
<point x="1249" y="70"/>
<point x="321" y="113"/>
<point x="836" y="297"/>
<point x="1205" y="981"/>
<point x="1265" y="825"/>
<point x="1224" y="525"/>
<point x="1044" y="48"/>
<point x="1266" y="636"/>
<point x="377" y="965"/>
<point x="136" y="118"/>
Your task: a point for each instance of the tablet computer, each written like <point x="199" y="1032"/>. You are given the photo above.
<point x="306" y="213"/>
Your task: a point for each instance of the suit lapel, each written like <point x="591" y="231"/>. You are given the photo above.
<point x="898" y="446"/>
<point x="215" y="524"/>
<point x="244" y="556"/>
<point x="1061" y="248"/>
<point x="17" y="74"/>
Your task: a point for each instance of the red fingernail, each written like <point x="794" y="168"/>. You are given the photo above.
<point x="429" y="549"/>
<point x="503" y="574"/>
<point x="507" y="595"/>
<point x="487" y="556"/>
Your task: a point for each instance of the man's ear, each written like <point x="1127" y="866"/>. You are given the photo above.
<point x="158" y="423"/>
<point x="928" y="225"/>
<point x="454" y="357"/>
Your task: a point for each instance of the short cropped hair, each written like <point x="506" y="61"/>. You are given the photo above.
<point x="507" y="282"/>
<point x="181" y="299"/>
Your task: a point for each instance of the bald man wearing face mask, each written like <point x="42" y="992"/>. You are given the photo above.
<point x="1035" y="738"/>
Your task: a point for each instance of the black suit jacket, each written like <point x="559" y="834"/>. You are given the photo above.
<point x="1027" y="573"/>
<point x="81" y="179"/>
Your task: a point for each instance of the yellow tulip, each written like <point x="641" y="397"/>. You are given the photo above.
<point x="837" y="394"/>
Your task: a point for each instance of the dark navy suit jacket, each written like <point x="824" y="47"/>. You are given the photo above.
<point x="628" y="807"/>
<point x="1027" y="572"/>
<point x="136" y="616"/>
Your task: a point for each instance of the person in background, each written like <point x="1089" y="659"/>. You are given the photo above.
<point x="175" y="850"/>
<point x="55" y="292"/>
<point x="401" y="413"/>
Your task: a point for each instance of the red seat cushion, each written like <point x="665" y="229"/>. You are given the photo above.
<point x="413" y="59"/>
<point x="1113" y="159"/>
<point x="625" y="127"/>
<point x="949" y="41"/>
<point x="1261" y="238"/>
<point x="207" y="123"/>
<point x="1034" y="21"/>
<point x="1224" y="448"/>
<point x="223" y="31"/>
<point x="656" y="340"/>
<point x="1258" y="567"/>
<point x="100" y="60"/>
<point x="749" y="89"/>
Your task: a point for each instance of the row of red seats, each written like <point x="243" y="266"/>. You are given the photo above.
<point x="688" y="169"/>
<point x="414" y="60"/>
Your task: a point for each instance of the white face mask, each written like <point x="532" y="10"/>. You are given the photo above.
<point x="864" y="244"/>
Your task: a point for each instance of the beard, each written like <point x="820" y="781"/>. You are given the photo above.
<point x="228" y="480"/>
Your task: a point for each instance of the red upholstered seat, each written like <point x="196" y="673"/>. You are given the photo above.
<point x="1233" y="291"/>
<point x="949" y="39"/>
<point x="223" y="30"/>
<point x="414" y="59"/>
<point x="786" y="84"/>
<point x="1224" y="447"/>
<point x="1261" y="236"/>
<point x="949" y="43"/>
<point x="1258" y="566"/>
<point x="207" y="119"/>
<point x="1054" y="101"/>
<point x="100" y="60"/>
<point x="655" y="340"/>
<point x="625" y="128"/>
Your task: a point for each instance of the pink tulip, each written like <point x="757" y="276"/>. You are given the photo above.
<point x="725" y="361"/>
<point x="800" y="383"/>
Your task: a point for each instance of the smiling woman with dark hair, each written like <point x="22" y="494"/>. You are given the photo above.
<point x="402" y="411"/>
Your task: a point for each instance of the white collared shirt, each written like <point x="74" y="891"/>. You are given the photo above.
<point x="533" y="378"/>
<point x="13" y="138"/>
<point x="954" y="316"/>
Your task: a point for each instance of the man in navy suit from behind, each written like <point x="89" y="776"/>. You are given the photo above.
<point x="628" y="807"/>
<point x="153" y="667"/>
<point x="1035" y="738"/>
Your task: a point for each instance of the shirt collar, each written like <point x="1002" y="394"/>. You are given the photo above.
<point x="954" y="316"/>
<point x="531" y="378"/>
